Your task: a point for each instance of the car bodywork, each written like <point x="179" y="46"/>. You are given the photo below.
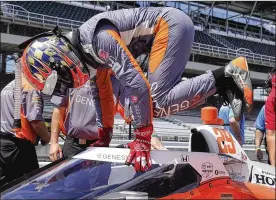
<point x="216" y="167"/>
<point x="214" y="139"/>
<point x="100" y="173"/>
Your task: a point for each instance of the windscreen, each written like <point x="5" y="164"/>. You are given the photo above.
<point x="73" y="178"/>
<point x="87" y="179"/>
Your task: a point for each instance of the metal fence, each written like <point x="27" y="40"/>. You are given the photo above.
<point x="16" y="12"/>
<point x="231" y="53"/>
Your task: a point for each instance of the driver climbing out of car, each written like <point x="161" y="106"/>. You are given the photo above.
<point x="113" y="40"/>
<point x="75" y="116"/>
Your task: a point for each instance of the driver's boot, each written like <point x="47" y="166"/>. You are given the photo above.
<point x="234" y="85"/>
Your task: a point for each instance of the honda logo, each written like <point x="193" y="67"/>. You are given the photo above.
<point x="184" y="158"/>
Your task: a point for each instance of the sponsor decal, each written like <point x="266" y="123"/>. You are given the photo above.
<point x="265" y="180"/>
<point x="134" y="99"/>
<point x="219" y="172"/>
<point x="243" y="156"/>
<point x="236" y="176"/>
<point x="84" y="100"/>
<point x="142" y="133"/>
<point x="161" y="112"/>
<point x="184" y="158"/>
<point x="225" y="158"/>
<point x="207" y="170"/>
<point x="103" y="54"/>
<point x="6" y="92"/>
<point x="235" y="172"/>
<point x="267" y="173"/>
<point x="137" y="112"/>
<point x="111" y="156"/>
<point x="226" y="196"/>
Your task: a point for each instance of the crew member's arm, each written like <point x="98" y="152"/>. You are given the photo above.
<point x="34" y="110"/>
<point x="235" y="125"/>
<point x="55" y="151"/>
<point x="41" y="130"/>
<point x="270" y="139"/>
<point x="156" y="143"/>
<point x="259" y="134"/>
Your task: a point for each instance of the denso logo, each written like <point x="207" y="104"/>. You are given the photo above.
<point x="265" y="180"/>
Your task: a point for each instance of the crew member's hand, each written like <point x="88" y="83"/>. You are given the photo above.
<point x="105" y="136"/>
<point x="55" y="151"/>
<point x="140" y="149"/>
<point x="259" y="154"/>
<point x="157" y="144"/>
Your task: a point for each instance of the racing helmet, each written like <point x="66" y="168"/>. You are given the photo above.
<point x="51" y="64"/>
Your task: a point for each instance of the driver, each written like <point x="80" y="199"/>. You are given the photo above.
<point x="113" y="40"/>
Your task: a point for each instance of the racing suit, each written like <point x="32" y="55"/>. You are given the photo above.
<point x="114" y="39"/>
<point x="18" y="155"/>
<point x="167" y="34"/>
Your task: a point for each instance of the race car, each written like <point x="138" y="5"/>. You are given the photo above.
<point x="211" y="138"/>
<point x="215" y="168"/>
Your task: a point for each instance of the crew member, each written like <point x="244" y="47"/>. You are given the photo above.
<point x="260" y="133"/>
<point x="236" y="128"/>
<point x="270" y="120"/>
<point x="18" y="155"/>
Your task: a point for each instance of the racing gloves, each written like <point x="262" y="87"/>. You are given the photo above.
<point x="140" y="149"/>
<point x="105" y="136"/>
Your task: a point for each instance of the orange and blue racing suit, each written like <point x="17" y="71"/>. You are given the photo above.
<point x="114" y="39"/>
<point x="167" y="35"/>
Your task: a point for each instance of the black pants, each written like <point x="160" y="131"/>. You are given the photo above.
<point x="71" y="146"/>
<point x="17" y="157"/>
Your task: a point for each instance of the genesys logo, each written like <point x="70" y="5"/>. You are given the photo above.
<point x="111" y="156"/>
<point x="265" y="180"/>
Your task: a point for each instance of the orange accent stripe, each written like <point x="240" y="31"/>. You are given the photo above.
<point x="121" y="110"/>
<point x="248" y="93"/>
<point x="160" y="44"/>
<point x="106" y="96"/>
<point x="116" y="36"/>
<point x="240" y="62"/>
<point x="27" y="132"/>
